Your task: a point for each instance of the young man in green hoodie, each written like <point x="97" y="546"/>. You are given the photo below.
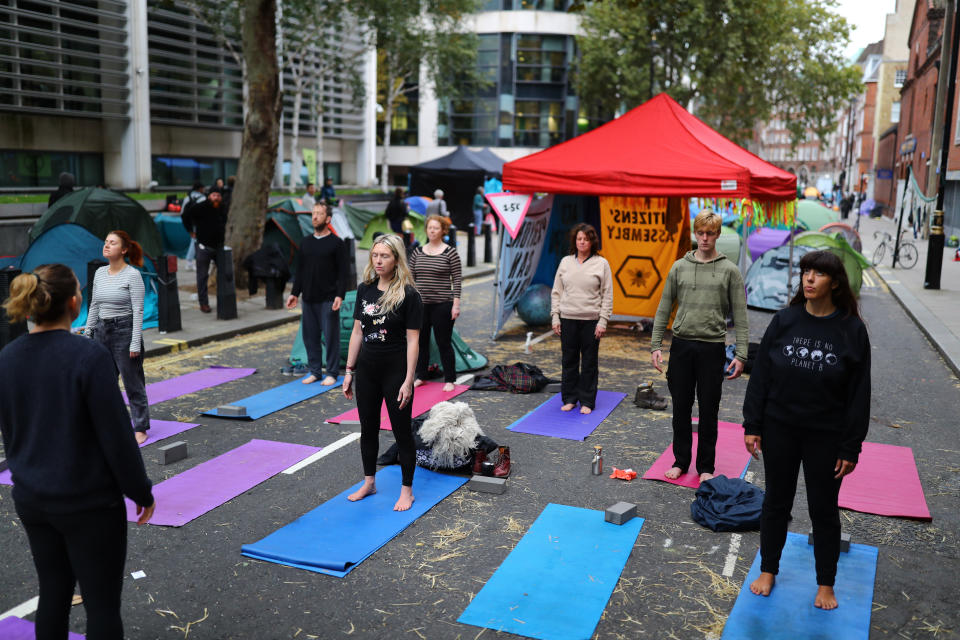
<point x="705" y="287"/>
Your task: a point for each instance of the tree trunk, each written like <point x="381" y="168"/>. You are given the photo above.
<point x="321" y="176"/>
<point x="295" y="142"/>
<point x="258" y="151"/>
<point x="387" y="122"/>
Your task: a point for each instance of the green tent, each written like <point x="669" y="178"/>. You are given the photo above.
<point x="100" y="211"/>
<point x="466" y="358"/>
<point x="358" y="219"/>
<point x="811" y="215"/>
<point x="285" y="227"/>
<point x="853" y="262"/>
<point x="379" y="222"/>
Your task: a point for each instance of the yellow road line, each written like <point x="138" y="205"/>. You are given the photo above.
<point x="175" y="345"/>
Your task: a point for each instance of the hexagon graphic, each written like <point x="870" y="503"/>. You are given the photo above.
<point x="638" y="277"/>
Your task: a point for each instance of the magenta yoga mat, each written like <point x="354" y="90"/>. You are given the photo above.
<point x="190" y="382"/>
<point x="885" y="482"/>
<point x="196" y="491"/>
<point x="424" y="397"/>
<point x="732" y="458"/>
<point x="549" y="420"/>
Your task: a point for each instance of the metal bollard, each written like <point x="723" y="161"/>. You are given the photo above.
<point x="351" y="276"/>
<point x="168" y="296"/>
<point x="226" y="285"/>
<point x="471" y="246"/>
<point x="274" y="292"/>
<point x="487" y="242"/>
<point x="92" y="267"/>
<point x="452" y="236"/>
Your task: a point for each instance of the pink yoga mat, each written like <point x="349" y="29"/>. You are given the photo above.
<point x="193" y="493"/>
<point x="14" y="628"/>
<point x="424" y="397"/>
<point x="731" y="461"/>
<point x="159" y="430"/>
<point x="885" y="482"/>
<point x="195" y="381"/>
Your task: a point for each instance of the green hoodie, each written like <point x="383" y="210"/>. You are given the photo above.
<point x="704" y="293"/>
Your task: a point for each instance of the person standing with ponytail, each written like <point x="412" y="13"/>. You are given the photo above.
<point x="66" y="435"/>
<point x="115" y="320"/>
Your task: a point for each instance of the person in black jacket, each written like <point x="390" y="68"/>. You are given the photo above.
<point x="808" y="403"/>
<point x="207" y="223"/>
<point x="67" y="182"/>
<point x="72" y="455"/>
<point x="396" y="211"/>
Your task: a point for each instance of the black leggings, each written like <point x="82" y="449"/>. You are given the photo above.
<point x="89" y="547"/>
<point x="695" y="369"/>
<point x="784" y="450"/>
<point x="378" y="379"/>
<point x="579" y="349"/>
<point x="437" y="316"/>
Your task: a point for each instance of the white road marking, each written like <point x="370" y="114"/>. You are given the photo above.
<point x="22" y="610"/>
<point x="731" y="560"/>
<point x="323" y="453"/>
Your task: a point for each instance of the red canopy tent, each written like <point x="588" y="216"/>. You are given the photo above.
<point x="656" y="149"/>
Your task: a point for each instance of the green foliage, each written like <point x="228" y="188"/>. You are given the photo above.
<point x="738" y="61"/>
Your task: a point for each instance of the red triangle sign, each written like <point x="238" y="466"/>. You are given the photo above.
<point x="510" y="208"/>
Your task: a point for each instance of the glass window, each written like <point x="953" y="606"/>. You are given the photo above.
<point x="175" y="171"/>
<point x="30" y="169"/>
<point x="899" y="78"/>
<point x="895" y="112"/>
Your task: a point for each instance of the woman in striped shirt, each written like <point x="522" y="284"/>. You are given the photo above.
<point x="436" y="271"/>
<point x="115" y="320"/>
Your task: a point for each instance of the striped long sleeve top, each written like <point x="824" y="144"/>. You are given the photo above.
<point x="438" y="277"/>
<point x="115" y="296"/>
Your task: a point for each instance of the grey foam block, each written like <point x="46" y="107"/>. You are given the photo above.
<point x="466" y="378"/>
<point x="487" y="485"/>
<point x="552" y="387"/>
<point x="620" y="513"/>
<point x="174" y="452"/>
<point x="350" y="422"/>
<point x="3" y="464"/>
<point x="844" y="541"/>
<point x="232" y="410"/>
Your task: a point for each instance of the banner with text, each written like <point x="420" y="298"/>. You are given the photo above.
<point x="519" y="257"/>
<point x="641" y="239"/>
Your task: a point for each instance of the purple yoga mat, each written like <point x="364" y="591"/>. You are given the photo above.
<point x="190" y="382"/>
<point x="14" y="628"/>
<point x="549" y="420"/>
<point x="192" y="493"/>
<point x="159" y="430"/>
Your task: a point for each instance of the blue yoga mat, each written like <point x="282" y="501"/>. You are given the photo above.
<point x="788" y="611"/>
<point x="281" y="397"/>
<point x="339" y="534"/>
<point x="557" y="580"/>
<point x="549" y="420"/>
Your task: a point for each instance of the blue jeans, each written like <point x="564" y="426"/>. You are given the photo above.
<point x="321" y="322"/>
<point x="115" y="334"/>
<point x="477" y="221"/>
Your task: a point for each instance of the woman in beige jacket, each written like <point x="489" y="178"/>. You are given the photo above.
<point x="581" y="305"/>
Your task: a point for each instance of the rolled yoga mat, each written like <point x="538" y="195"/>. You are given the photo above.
<point x="886" y="482"/>
<point x="206" y="486"/>
<point x="549" y="420"/>
<point x="278" y="398"/>
<point x="14" y="628"/>
<point x="788" y="612"/>
<point x="191" y="382"/>
<point x="558" y="579"/>
<point x="424" y="398"/>
<point x="731" y="460"/>
<point x="159" y="430"/>
<point x="338" y="535"/>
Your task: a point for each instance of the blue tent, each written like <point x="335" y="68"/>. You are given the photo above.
<point x="74" y="246"/>
<point x="176" y="240"/>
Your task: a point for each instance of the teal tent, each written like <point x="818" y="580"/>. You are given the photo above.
<point x="174" y="236"/>
<point x="853" y="262"/>
<point x="811" y="215"/>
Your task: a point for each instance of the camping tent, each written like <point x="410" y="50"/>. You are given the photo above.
<point x="836" y="242"/>
<point x="458" y="174"/>
<point x="379" y="223"/>
<point x="811" y="215"/>
<point x="100" y="211"/>
<point x="766" y="278"/>
<point x="174" y="236"/>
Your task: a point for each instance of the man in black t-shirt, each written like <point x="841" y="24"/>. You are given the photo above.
<point x="321" y="277"/>
<point x="207" y="223"/>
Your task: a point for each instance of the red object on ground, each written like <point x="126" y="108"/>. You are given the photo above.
<point x="656" y="149"/>
<point x="623" y="474"/>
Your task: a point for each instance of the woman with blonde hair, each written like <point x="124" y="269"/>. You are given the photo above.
<point x="115" y="320"/>
<point x="382" y="358"/>
<point x="436" y="269"/>
<point x="66" y="436"/>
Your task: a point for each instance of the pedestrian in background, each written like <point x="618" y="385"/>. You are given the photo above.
<point x="581" y="304"/>
<point x="478" y="202"/>
<point x="321" y="278"/>
<point x="67" y="182"/>
<point x="207" y="224"/>
<point x="705" y="287"/>
<point x="115" y="320"/>
<point x="196" y="196"/>
<point x="396" y="211"/>
<point x="808" y="404"/>
<point x="66" y="435"/>
<point x="383" y="355"/>
<point x="437" y="273"/>
<point x="328" y="194"/>
<point x="437" y="206"/>
<point x="307" y="198"/>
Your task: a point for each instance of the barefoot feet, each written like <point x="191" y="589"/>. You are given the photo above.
<point x="329" y="380"/>
<point x="706" y="476"/>
<point x="763" y="585"/>
<point x="406" y="499"/>
<point x="310" y="379"/>
<point x="673" y="473"/>
<point x="825" y="599"/>
<point x="141" y="436"/>
<point x="416" y="383"/>
<point x="567" y="407"/>
<point x="448" y="387"/>
<point x="585" y="410"/>
<point x="368" y="488"/>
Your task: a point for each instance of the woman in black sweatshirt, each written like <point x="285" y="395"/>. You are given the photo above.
<point x="72" y="454"/>
<point x="808" y="403"/>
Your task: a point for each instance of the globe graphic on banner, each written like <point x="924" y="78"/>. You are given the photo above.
<point x="534" y="306"/>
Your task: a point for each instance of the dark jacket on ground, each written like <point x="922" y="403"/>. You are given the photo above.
<point x="66" y="432"/>
<point x="322" y="271"/>
<point x="209" y="222"/>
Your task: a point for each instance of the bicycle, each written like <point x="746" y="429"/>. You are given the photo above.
<point x="906" y="255"/>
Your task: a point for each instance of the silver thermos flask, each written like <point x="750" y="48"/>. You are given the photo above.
<point x="596" y="467"/>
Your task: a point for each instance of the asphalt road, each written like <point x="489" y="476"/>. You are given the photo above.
<point x="197" y="584"/>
